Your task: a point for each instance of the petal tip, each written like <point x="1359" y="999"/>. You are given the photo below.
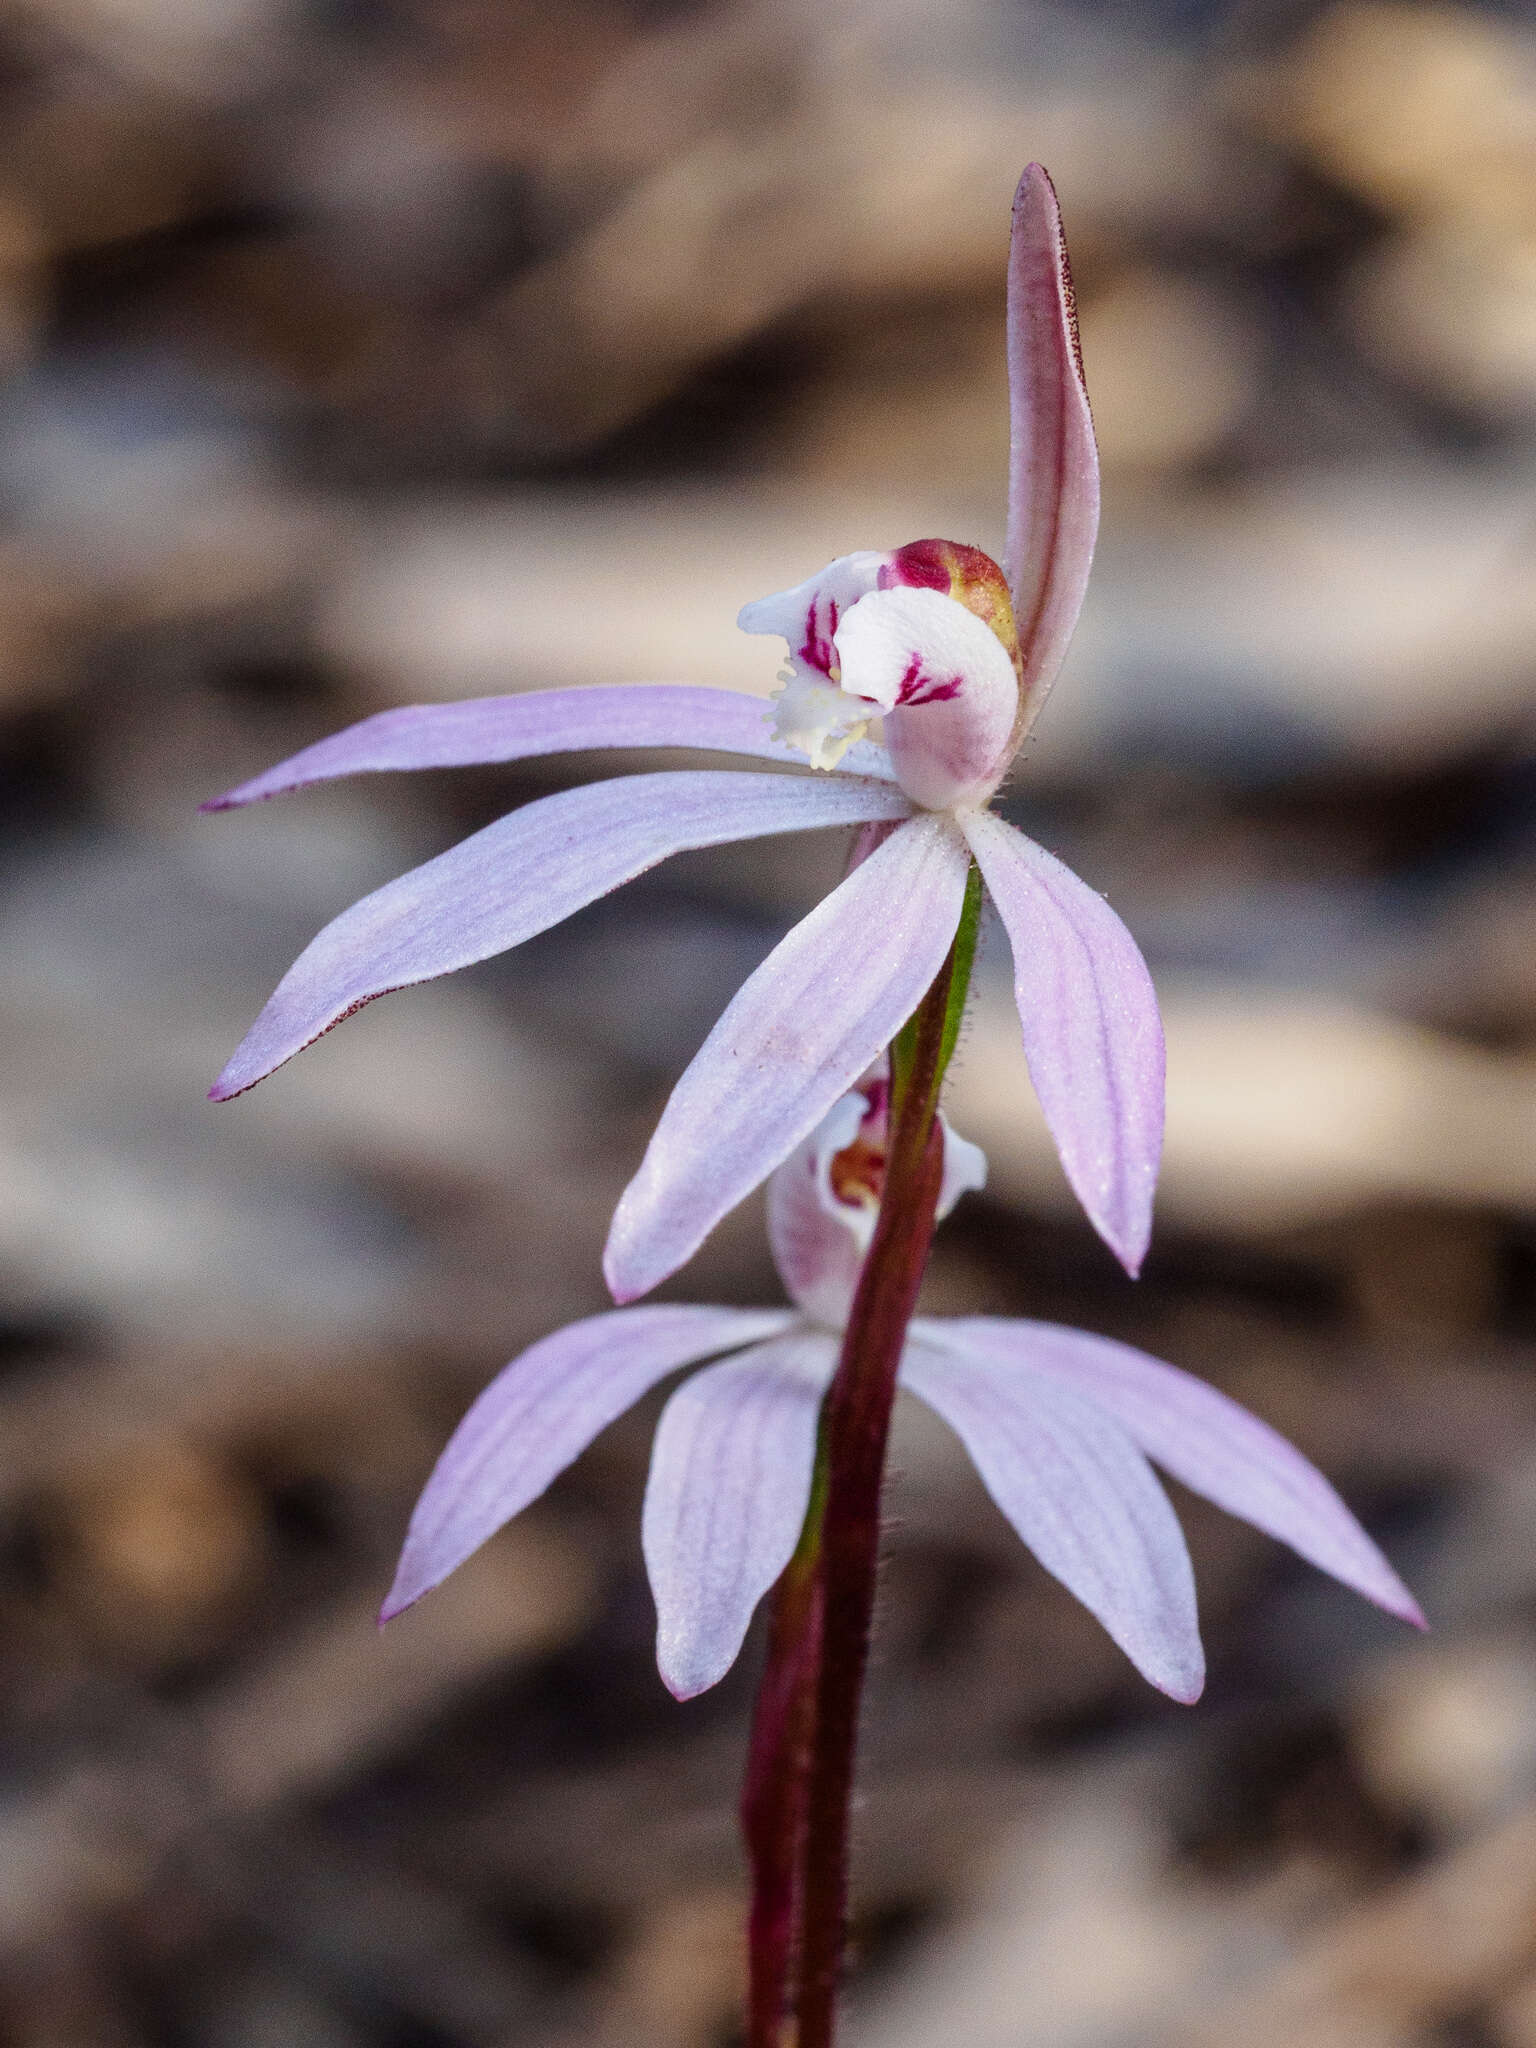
<point x="685" y="1681"/>
<point x="621" y="1283"/>
<point x="1035" y="178"/>
<point x="1178" y="1671"/>
<point x="1406" y="1608"/>
<point x="1130" y="1247"/>
<point x="410" y="1586"/>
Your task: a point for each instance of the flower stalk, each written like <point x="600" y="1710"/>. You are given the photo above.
<point x="800" y="1780"/>
<point x="768" y="1460"/>
<point x="773" y="1800"/>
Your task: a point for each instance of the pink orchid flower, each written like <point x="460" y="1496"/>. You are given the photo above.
<point x="954" y="659"/>
<point x="1060" y="1424"/>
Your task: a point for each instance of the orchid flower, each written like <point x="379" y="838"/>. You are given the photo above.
<point x="952" y="658"/>
<point x="1060" y="1423"/>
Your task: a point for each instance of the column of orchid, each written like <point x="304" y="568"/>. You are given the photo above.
<point x="823" y="1076"/>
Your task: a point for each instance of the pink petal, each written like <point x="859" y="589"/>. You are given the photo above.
<point x="806" y="617"/>
<point x="1053" y="474"/>
<point x="730" y="1481"/>
<point x="965" y="1169"/>
<point x="795" y="1037"/>
<point x="817" y="1244"/>
<point x="522" y="875"/>
<point x="1079" y="1492"/>
<point x="541" y="722"/>
<point x="1207" y="1442"/>
<point x="819" y="1240"/>
<point x="947" y="684"/>
<point x="1092" y="1034"/>
<point x="541" y="1412"/>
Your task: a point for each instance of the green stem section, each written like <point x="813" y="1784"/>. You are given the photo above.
<point x="856" y="1424"/>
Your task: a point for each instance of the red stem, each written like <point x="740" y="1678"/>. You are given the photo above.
<point x="795" y="1804"/>
<point x="858" y="1416"/>
<point x="773" y="1802"/>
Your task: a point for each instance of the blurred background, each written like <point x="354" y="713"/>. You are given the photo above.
<point x="359" y="352"/>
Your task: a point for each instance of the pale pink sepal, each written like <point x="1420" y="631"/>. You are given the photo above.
<point x="1205" y="1441"/>
<point x="1078" y="1491"/>
<point x="542" y="722"/>
<point x="796" y="1036"/>
<point x="1053" y="473"/>
<point x="946" y="684"/>
<point x="729" y="1485"/>
<point x="540" y="1412"/>
<point x="522" y="875"/>
<point x="1092" y="1034"/>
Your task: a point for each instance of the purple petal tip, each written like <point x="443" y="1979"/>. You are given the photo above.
<point x="401" y="1595"/>
<point x="1408" y="1609"/>
<point x="1129" y="1243"/>
<point x="621" y="1290"/>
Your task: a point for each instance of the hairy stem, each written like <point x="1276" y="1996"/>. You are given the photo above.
<point x="773" y="1802"/>
<point x="856" y="1425"/>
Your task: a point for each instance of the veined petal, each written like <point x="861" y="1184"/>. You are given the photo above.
<point x="947" y="685"/>
<point x="1207" y="1442"/>
<point x="807" y="616"/>
<point x="1092" y="1034"/>
<point x="522" y="875"/>
<point x="541" y="722"/>
<point x="796" y="1036"/>
<point x="730" y="1482"/>
<point x="812" y="714"/>
<point x="1081" y="1495"/>
<point x="1053" y="474"/>
<point x="541" y="1412"/>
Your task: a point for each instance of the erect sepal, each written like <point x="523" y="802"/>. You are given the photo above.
<point x="1053" y="472"/>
